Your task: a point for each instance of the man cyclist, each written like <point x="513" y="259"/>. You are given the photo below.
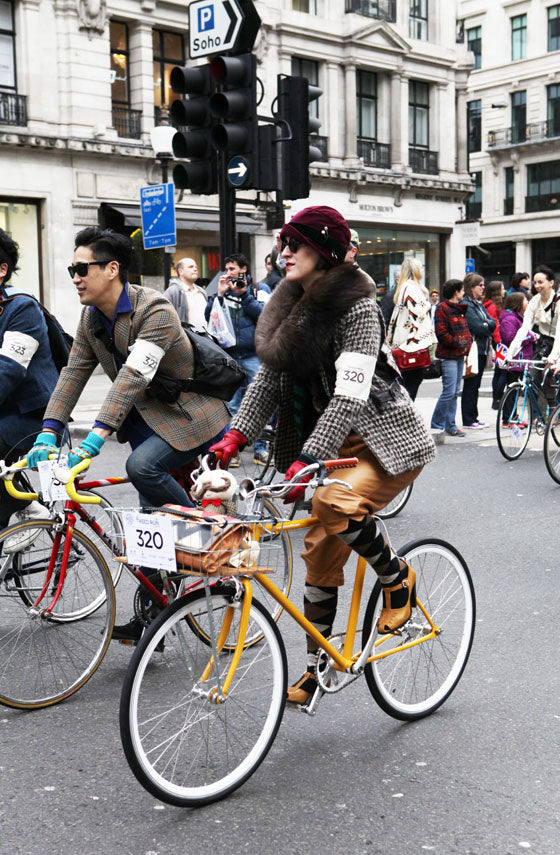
<point x="131" y="332"/>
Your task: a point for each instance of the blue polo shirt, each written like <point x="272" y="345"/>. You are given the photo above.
<point x="136" y="428"/>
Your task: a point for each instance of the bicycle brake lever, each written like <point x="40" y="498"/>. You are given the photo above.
<point x="326" y="482"/>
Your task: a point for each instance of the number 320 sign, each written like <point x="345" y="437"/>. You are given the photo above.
<point x="149" y="540"/>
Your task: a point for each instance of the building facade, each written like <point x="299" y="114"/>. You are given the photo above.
<point x="82" y="83"/>
<point x="513" y="118"/>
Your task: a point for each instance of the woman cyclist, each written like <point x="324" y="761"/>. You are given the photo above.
<point x="325" y="366"/>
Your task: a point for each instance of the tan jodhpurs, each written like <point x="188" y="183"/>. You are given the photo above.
<point x="326" y="554"/>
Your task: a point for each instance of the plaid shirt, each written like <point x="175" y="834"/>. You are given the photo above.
<point x="191" y="421"/>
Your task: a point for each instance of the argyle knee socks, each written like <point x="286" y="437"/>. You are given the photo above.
<point x="319" y="607"/>
<point x="364" y="537"/>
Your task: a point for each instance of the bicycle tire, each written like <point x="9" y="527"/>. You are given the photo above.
<point x="551" y="446"/>
<point x="181" y="746"/>
<point x="513" y="428"/>
<point x="413" y="683"/>
<point x="44" y="660"/>
<point x="396" y="505"/>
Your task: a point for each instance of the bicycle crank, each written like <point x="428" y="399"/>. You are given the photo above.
<point x="329" y="679"/>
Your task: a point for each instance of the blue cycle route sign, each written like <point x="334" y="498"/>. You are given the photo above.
<point x="157" y="204"/>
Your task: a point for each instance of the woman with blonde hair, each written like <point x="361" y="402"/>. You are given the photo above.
<point x="411" y="333"/>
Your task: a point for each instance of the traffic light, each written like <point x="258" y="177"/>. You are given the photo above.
<point x="235" y="107"/>
<point x="195" y="121"/>
<point x="294" y="97"/>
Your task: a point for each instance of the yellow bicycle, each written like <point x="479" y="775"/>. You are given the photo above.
<point x="200" y="707"/>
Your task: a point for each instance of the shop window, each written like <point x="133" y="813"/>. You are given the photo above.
<point x="168" y="51"/>
<point x="20" y="218"/>
<point x="546" y="251"/>
<point x="474" y="44"/>
<point x="496" y="261"/>
<point x="382" y="252"/>
<point x="519" y="37"/>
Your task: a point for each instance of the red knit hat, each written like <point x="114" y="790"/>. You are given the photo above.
<point x="323" y="229"/>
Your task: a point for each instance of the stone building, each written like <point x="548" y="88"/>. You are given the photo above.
<point x="82" y="83"/>
<point x="513" y="109"/>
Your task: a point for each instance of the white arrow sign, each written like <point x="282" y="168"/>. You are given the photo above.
<point x="213" y="26"/>
<point x="238" y="170"/>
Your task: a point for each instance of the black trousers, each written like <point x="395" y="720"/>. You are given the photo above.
<point x="411" y="380"/>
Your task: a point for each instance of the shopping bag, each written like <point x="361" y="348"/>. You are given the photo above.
<point x="220" y="325"/>
<point x="471" y="362"/>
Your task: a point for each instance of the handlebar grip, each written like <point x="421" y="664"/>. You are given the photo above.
<point x="13" y="490"/>
<point x="341" y="463"/>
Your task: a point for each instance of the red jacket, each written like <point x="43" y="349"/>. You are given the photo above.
<point x="452" y="331"/>
<point x="490" y="307"/>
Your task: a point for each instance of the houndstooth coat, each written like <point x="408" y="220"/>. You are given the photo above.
<point x="191" y="421"/>
<point x="301" y="334"/>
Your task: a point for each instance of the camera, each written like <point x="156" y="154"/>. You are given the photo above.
<point x="237" y="283"/>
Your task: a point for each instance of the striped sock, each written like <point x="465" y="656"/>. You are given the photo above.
<point x="364" y="537"/>
<point x="319" y="607"/>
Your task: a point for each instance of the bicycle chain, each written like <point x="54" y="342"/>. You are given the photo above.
<point x="329" y="679"/>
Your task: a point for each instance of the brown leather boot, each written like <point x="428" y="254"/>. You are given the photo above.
<point x="301" y="691"/>
<point x="399" y="600"/>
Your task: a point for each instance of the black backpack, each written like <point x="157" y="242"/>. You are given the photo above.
<point x="60" y="341"/>
<point x="216" y="374"/>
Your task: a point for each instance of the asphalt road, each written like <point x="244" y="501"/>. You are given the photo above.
<point x="481" y="775"/>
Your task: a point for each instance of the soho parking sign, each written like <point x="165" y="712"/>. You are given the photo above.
<point x="213" y="26"/>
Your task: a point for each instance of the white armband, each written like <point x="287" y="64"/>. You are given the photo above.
<point x="19" y="346"/>
<point x="354" y="372"/>
<point x="145" y="357"/>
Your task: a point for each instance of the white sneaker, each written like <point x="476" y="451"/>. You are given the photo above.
<point x="23" y="539"/>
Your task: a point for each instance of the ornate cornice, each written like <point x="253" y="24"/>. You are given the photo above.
<point x="13" y="139"/>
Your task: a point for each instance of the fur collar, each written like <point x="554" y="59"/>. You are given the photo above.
<point x="296" y="328"/>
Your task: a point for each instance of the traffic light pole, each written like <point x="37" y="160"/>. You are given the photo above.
<point x="227" y="209"/>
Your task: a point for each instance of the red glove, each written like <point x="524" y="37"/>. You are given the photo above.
<point x="229" y="446"/>
<point x="298" y="491"/>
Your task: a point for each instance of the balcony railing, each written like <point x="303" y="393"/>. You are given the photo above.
<point x="523" y="134"/>
<point x="322" y="143"/>
<point x="384" y="10"/>
<point x="508" y="207"/>
<point x="375" y="154"/>
<point x="424" y="161"/>
<point x="546" y="202"/>
<point x="127" y="122"/>
<point x="13" y="109"/>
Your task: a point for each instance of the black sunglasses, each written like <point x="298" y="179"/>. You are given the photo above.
<point x="290" y="242"/>
<point x="82" y="268"/>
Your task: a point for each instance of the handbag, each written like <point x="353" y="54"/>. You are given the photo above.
<point x="471" y="362"/>
<point x="407" y="361"/>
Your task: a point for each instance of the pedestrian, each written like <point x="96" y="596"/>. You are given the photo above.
<point x="131" y="332"/>
<point x="186" y="296"/>
<point x="245" y="302"/>
<point x="454" y="341"/>
<point x="351" y="255"/>
<point x="520" y="284"/>
<point x="326" y="367"/>
<point x="511" y="321"/>
<point x="541" y="316"/>
<point x="273" y="274"/>
<point x="434" y="300"/>
<point x="494" y="294"/>
<point x="28" y="376"/>
<point x="481" y="327"/>
<point x="410" y="329"/>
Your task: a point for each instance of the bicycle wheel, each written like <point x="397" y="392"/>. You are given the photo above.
<point x="44" y="659"/>
<point x="184" y="747"/>
<point x="413" y="683"/>
<point x="552" y="445"/>
<point x="514" y="421"/>
<point x="396" y="505"/>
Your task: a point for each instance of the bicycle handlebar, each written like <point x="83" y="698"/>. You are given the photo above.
<point x="66" y="477"/>
<point x="248" y="488"/>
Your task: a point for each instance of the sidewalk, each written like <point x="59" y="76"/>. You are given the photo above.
<point x="99" y="384"/>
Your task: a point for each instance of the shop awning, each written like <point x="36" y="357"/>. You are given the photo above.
<point x="193" y="220"/>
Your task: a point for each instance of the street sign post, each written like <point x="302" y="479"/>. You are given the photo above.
<point x="222" y="26"/>
<point x="157" y="205"/>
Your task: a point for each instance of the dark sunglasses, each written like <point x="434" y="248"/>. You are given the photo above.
<point x="82" y="268"/>
<point x="290" y="242"/>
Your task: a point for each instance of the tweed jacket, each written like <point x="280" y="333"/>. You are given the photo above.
<point x="191" y="421"/>
<point x="315" y="328"/>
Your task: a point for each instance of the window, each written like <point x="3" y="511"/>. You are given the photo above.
<point x="7" y="46"/>
<point x="554" y="28"/>
<point x="474" y="137"/>
<point x="366" y="104"/>
<point x="418" y="20"/>
<point x="553" y="110"/>
<point x="474" y="202"/>
<point x="309" y="6"/>
<point x="168" y="50"/>
<point x="519" y="37"/>
<point x="310" y="69"/>
<point x="519" y="116"/>
<point x="119" y="63"/>
<point x="474" y="43"/>
<point x="418" y="114"/>
<point x="508" y="198"/>
<point x="543" y="186"/>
